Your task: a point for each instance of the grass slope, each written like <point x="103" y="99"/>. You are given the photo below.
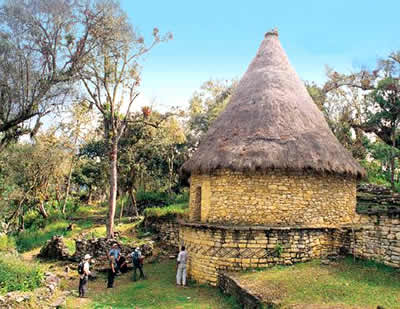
<point x="355" y="283"/>
<point x="157" y="291"/>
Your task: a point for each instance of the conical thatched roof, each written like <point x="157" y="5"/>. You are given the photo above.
<point x="271" y="122"/>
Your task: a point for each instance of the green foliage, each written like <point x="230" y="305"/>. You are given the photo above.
<point x="159" y="198"/>
<point x="7" y="243"/>
<point x="278" y="249"/>
<point x="36" y="237"/>
<point x="167" y="211"/>
<point x="17" y="275"/>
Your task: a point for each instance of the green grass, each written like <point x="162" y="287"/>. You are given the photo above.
<point x="357" y="283"/>
<point x="171" y="210"/>
<point x="36" y="237"/>
<point x="17" y="275"/>
<point x="158" y="291"/>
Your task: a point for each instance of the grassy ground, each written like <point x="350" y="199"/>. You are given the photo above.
<point x="351" y="283"/>
<point x="158" y="291"/>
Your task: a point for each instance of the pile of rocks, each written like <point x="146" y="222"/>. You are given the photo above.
<point x="374" y="199"/>
<point x="98" y="248"/>
<point x="54" y="249"/>
<point x="17" y="299"/>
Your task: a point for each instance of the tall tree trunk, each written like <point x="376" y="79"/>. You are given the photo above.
<point x="42" y="210"/>
<point x="113" y="187"/>
<point x="90" y="195"/>
<point x="135" y="211"/>
<point x="68" y="185"/>
<point x="121" y="210"/>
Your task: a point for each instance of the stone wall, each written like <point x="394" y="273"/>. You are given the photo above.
<point x="214" y="249"/>
<point x="247" y="299"/>
<point x="165" y="229"/>
<point x="275" y="198"/>
<point x="376" y="237"/>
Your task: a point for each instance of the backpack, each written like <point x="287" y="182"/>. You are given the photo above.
<point x="80" y="268"/>
<point x="135" y="258"/>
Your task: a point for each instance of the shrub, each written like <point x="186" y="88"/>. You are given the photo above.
<point x="168" y="211"/>
<point x="35" y="237"/>
<point x="15" y="275"/>
<point x="7" y="243"/>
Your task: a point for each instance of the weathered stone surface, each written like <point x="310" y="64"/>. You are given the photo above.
<point x="54" y="249"/>
<point x="273" y="198"/>
<point x="99" y="247"/>
<point x="214" y="249"/>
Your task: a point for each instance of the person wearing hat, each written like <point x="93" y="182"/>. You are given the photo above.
<point x="84" y="273"/>
<point x="137" y="261"/>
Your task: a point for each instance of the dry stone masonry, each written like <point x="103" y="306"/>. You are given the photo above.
<point x="273" y="198"/>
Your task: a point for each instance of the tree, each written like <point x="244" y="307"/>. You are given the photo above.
<point x="75" y="133"/>
<point x="43" y="45"/>
<point x="111" y="77"/>
<point x="32" y="172"/>
<point x="378" y="111"/>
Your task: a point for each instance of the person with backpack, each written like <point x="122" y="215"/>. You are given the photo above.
<point x="115" y="251"/>
<point x="111" y="272"/>
<point x="137" y="261"/>
<point x="181" y="267"/>
<point x="84" y="272"/>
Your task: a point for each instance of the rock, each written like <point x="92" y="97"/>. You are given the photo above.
<point x="52" y="279"/>
<point x="54" y="249"/>
<point x="67" y="269"/>
<point x="19" y="299"/>
<point x="59" y="302"/>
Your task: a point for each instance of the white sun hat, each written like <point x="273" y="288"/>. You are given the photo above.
<point x="87" y="256"/>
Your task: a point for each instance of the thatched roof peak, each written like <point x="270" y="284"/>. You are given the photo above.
<point x="271" y="123"/>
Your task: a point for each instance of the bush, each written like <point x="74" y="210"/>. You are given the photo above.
<point x="7" y="243"/>
<point x="35" y="237"/>
<point x="15" y="275"/>
<point x="168" y="211"/>
<point x="159" y="199"/>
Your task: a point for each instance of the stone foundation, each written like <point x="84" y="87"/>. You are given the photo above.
<point x="376" y="237"/>
<point x="278" y="197"/>
<point x="214" y="249"/>
<point x="247" y="299"/>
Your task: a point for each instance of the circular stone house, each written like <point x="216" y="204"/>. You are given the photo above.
<point x="269" y="182"/>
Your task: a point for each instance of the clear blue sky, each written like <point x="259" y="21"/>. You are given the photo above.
<point x="218" y="39"/>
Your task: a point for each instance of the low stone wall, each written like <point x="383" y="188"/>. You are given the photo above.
<point x="247" y="299"/>
<point x="214" y="249"/>
<point x="376" y="237"/>
<point x="165" y="229"/>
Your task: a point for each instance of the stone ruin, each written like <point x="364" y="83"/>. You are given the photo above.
<point x="54" y="249"/>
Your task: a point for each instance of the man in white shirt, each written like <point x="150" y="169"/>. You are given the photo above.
<point x="181" y="267"/>
<point x="84" y="276"/>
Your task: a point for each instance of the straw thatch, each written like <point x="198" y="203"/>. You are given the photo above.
<point x="271" y="122"/>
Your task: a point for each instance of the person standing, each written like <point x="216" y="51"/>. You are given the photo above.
<point x="84" y="272"/>
<point x="115" y="251"/>
<point x="137" y="261"/>
<point x="181" y="267"/>
<point x="111" y="272"/>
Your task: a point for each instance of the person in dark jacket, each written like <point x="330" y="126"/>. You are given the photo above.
<point x="111" y="272"/>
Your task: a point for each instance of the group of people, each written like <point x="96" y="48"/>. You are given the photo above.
<point x="118" y="264"/>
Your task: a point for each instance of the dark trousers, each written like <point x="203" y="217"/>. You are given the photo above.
<point x="140" y="267"/>
<point x="83" y="283"/>
<point x="111" y="276"/>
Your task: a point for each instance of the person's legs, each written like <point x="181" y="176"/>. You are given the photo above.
<point x="141" y="271"/>
<point x="134" y="272"/>
<point x="84" y="285"/>
<point x="80" y="287"/>
<point x="179" y="275"/>
<point x="184" y="275"/>
<point x="110" y="281"/>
